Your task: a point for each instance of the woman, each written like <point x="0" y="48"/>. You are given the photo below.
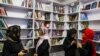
<point x="13" y="45"/>
<point x="87" y="43"/>
<point x="69" y="44"/>
<point x="43" y="44"/>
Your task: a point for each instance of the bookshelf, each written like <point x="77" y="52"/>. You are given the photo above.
<point x="14" y="13"/>
<point x="49" y="15"/>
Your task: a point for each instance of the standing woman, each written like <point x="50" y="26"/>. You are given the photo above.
<point x="43" y="44"/>
<point x="13" y="45"/>
<point x="70" y="44"/>
<point x="87" y="43"/>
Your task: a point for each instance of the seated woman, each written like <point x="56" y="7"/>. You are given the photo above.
<point x="43" y="44"/>
<point x="13" y="45"/>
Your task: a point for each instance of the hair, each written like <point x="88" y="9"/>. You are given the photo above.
<point x="46" y="22"/>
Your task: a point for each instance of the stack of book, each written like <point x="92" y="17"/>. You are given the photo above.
<point x="73" y="17"/>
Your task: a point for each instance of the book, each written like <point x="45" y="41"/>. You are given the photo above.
<point x="94" y="5"/>
<point x="30" y="34"/>
<point x="73" y="17"/>
<point x="29" y="44"/>
<point x="9" y="2"/>
<point x="87" y="7"/>
<point x="47" y="16"/>
<point x="38" y="5"/>
<point x="3" y="23"/>
<point x="1" y="47"/>
<point x="99" y="4"/>
<point x="39" y="15"/>
<point x="2" y="34"/>
<point x="84" y="16"/>
<point x="61" y="18"/>
<point x="30" y="23"/>
<point x="58" y="9"/>
<point x="29" y="14"/>
<point x="27" y="3"/>
<point x="3" y="11"/>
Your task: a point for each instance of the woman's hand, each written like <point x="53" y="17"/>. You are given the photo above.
<point x="21" y="53"/>
<point x="79" y="45"/>
<point x="72" y="42"/>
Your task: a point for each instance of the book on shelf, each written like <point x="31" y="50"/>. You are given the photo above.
<point x="58" y="25"/>
<point x="97" y="36"/>
<point x="87" y="7"/>
<point x="29" y="44"/>
<point x="6" y="1"/>
<point x="73" y="25"/>
<point x="2" y="34"/>
<point x="73" y="17"/>
<point x="54" y="41"/>
<point x="84" y="25"/>
<point x="3" y="23"/>
<point x="29" y="14"/>
<point x="93" y="5"/>
<point x="43" y="6"/>
<point x="1" y="47"/>
<point x="57" y="33"/>
<point x="38" y="5"/>
<point x="30" y="23"/>
<point x="47" y="16"/>
<point x="84" y="16"/>
<point x="99" y="4"/>
<point x="73" y="8"/>
<point x="30" y="34"/>
<point x="61" y="18"/>
<point x="58" y="9"/>
<point x="38" y="24"/>
<point x="37" y="34"/>
<point x="27" y="3"/>
<point x="98" y="47"/>
<point x="3" y="11"/>
<point x="39" y="15"/>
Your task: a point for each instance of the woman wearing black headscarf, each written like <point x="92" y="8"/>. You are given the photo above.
<point x="69" y="44"/>
<point x="13" y="45"/>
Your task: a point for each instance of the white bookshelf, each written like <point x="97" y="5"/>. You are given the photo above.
<point x="16" y="14"/>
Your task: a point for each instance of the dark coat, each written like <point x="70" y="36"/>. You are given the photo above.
<point x="43" y="49"/>
<point x="11" y="48"/>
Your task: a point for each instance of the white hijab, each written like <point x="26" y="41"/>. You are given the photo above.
<point x="42" y="38"/>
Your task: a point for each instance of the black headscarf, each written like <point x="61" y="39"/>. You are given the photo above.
<point x="13" y="32"/>
<point x="70" y="33"/>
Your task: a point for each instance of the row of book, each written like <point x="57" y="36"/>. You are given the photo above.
<point x="57" y="41"/>
<point x="73" y="25"/>
<point x="98" y="47"/>
<point x="3" y="12"/>
<point x="58" y="26"/>
<point x="41" y="16"/>
<point x="58" y="9"/>
<point x="73" y="17"/>
<point x="59" y="18"/>
<point x="24" y="3"/>
<point x="43" y="6"/>
<point x="73" y="8"/>
<point x="3" y="34"/>
<point x="91" y="6"/>
<point x="97" y="36"/>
